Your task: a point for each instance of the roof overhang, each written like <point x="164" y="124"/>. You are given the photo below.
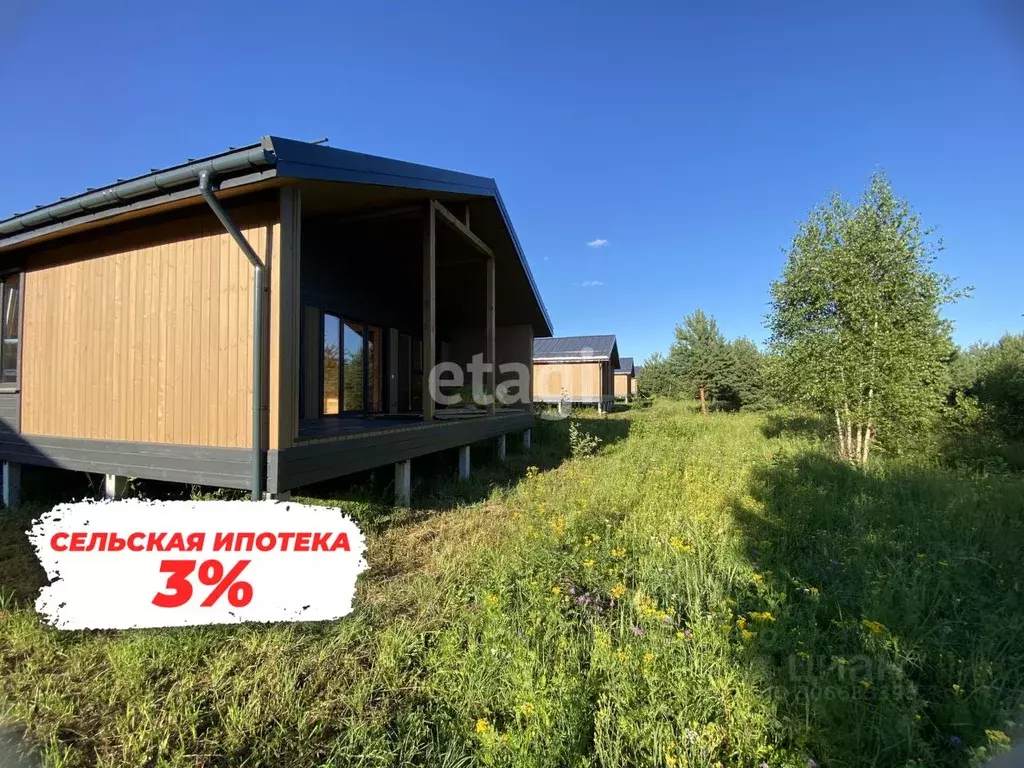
<point x="573" y="359"/>
<point x="270" y="162"/>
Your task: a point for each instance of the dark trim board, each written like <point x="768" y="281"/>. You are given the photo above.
<point x="232" y="467"/>
<point x="309" y="463"/>
<point x="198" y="465"/>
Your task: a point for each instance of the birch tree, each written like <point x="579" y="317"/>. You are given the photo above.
<point x="855" y="320"/>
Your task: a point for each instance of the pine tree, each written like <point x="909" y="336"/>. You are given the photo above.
<point x="700" y="357"/>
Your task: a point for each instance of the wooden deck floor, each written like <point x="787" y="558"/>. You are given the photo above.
<point x="336" y="446"/>
<point x="340" y="427"/>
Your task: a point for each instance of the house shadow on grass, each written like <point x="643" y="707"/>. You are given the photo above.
<point x="899" y="610"/>
<point x="369" y="496"/>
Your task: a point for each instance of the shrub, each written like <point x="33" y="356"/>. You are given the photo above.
<point x="581" y="443"/>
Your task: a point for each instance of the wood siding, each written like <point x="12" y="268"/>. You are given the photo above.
<point x="623" y="384"/>
<point x="145" y="336"/>
<point x="576" y="380"/>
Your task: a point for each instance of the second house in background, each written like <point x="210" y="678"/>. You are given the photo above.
<point x="576" y="370"/>
<point x="625" y="379"/>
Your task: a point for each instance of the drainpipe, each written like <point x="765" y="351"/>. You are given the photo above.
<point x="206" y="188"/>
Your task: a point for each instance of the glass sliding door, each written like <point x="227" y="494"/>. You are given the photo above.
<point x="353" y="365"/>
<point x="332" y="364"/>
<point x="352" y="372"/>
<point x="374" y="369"/>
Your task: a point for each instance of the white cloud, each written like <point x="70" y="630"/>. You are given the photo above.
<point x="591" y="283"/>
<point x="599" y="243"/>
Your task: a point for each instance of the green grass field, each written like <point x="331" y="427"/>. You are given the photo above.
<point x="703" y="591"/>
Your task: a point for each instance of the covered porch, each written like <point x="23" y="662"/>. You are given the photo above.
<point x="390" y="283"/>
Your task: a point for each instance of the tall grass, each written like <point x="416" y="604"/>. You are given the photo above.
<point x="702" y="591"/>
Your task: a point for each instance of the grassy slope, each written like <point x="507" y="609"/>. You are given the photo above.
<point x="704" y="590"/>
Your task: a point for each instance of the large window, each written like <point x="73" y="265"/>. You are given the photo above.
<point x="353" y="371"/>
<point x="353" y="366"/>
<point x="375" y="368"/>
<point x="10" y="329"/>
<point x="332" y="364"/>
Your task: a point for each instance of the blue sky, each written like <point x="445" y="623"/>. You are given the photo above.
<point x="691" y="138"/>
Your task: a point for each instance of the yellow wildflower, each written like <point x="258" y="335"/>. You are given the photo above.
<point x="957" y="689"/>
<point x="648" y="658"/>
<point x="758" y="578"/>
<point x="865" y="684"/>
<point x="747" y="636"/>
<point x="526" y="708"/>
<point x="623" y="656"/>
<point x="618" y="590"/>
<point x="619" y="553"/>
<point x="741" y="623"/>
<point x="482" y="726"/>
<point x="556" y="591"/>
<point x="998" y="737"/>
<point x="762" y="616"/>
<point x="679" y="545"/>
<point x="876" y="627"/>
<point x="491" y="599"/>
<point x="588" y="563"/>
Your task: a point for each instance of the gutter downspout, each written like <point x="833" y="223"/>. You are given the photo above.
<point x="206" y="189"/>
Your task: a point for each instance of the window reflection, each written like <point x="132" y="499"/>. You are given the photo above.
<point x="332" y="363"/>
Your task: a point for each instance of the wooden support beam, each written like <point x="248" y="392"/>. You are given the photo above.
<point x="429" y="308"/>
<point x="12" y="485"/>
<point x="451" y="220"/>
<point x="491" y="352"/>
<point x="403" y="483"/>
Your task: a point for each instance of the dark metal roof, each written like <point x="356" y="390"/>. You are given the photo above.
<point x="271" y="157"/>
<point x="575" y="348"/>
<point x="625" y="366"/>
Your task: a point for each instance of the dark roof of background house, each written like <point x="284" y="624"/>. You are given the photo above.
<point x="625" y="365"/>
<point x="571" y="348"/>
<point x="271" y="157"/>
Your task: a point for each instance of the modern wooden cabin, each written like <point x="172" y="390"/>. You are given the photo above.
<point x="577" y="370"/>
<point x="625" y="379"/>
<point x="260" y="319"/>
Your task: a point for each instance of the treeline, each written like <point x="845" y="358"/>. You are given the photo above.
<point x="704" y="366"/>
<point x="856" y="335"/>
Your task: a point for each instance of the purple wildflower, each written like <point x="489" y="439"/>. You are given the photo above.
<point x="954" y="740"/>
<point x="637" y="631"/>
